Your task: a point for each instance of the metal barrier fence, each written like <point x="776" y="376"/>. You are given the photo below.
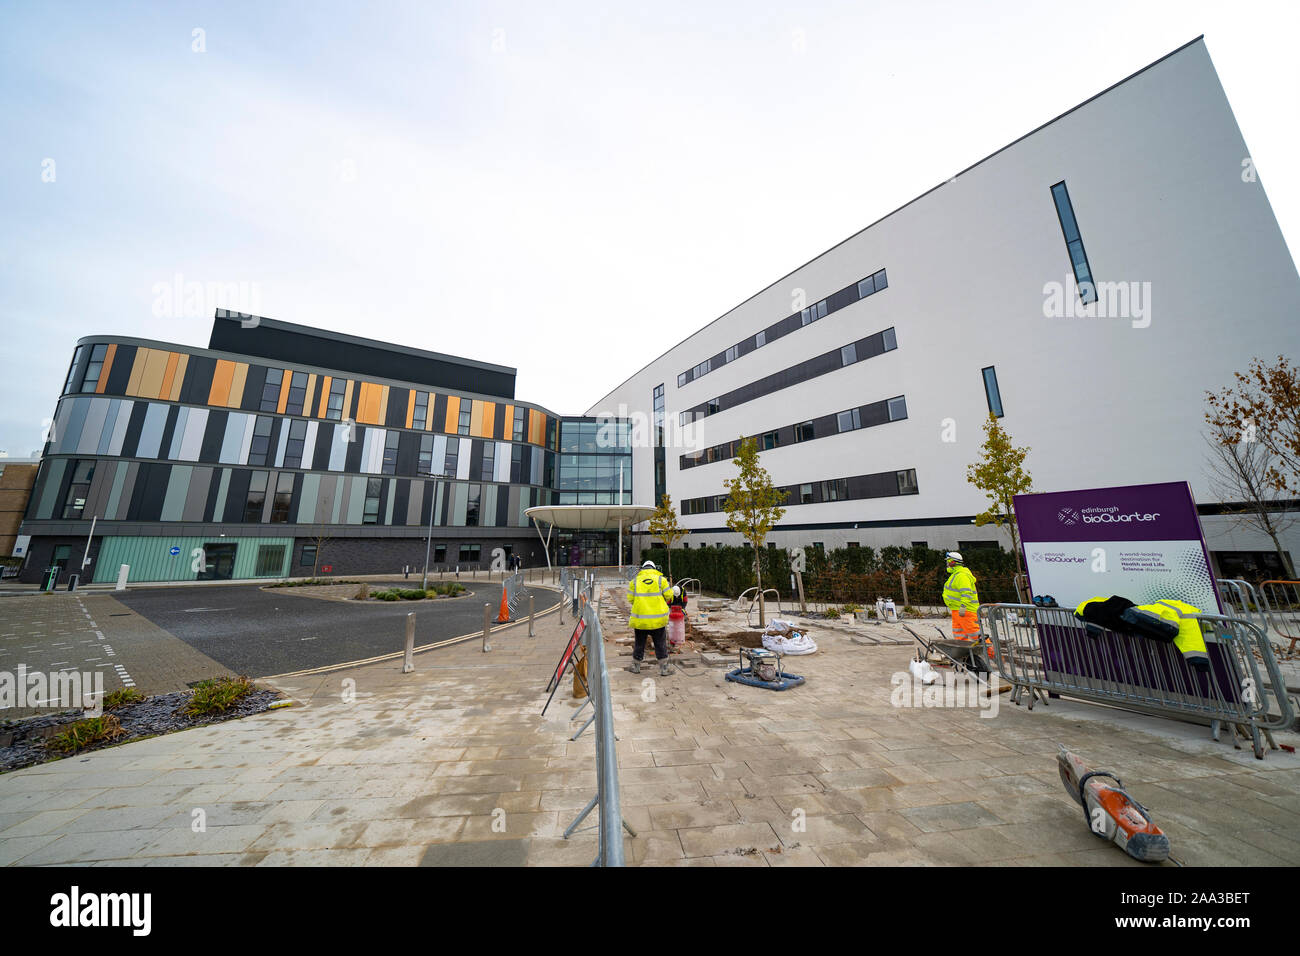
<point x="611" y="824"/>
<point x="1282" y="604"/>
<point x="1049" y="651"/>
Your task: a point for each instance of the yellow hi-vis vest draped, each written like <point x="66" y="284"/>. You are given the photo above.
<point x="959" y="590"/>
<point x="1190" y="641"/>
<point x="648" y="593"/>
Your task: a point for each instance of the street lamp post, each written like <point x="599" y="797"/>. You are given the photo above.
<point x="433" y="503"/>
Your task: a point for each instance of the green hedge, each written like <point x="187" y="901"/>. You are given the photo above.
<point x="845" y="574"/>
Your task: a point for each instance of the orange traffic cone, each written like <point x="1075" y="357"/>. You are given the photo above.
<point x="503" y="616"/>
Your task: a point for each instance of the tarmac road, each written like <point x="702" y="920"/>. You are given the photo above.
<point x="260" y="633"/>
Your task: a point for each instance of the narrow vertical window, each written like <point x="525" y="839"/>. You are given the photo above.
<point x="1074" y="244"/>
<point x="991" y="392"/>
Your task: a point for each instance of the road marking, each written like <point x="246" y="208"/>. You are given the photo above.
<point x="126" y="678"/>
<point x="195" y="610"/>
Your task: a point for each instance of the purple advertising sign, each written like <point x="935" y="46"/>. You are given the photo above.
<point x="1143" y="542"/>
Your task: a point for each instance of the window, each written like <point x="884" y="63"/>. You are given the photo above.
<point x="297" y="393"/>
<point x="907" y="482"/>
<point x="270" y="560"/>
<point x="804" y="431"/>
<point x="421" y="412"/>
<point x="390" y="452"/>
<point x="851" y="544"/>
<point x="849" y="421"/>
<point x="256" y="496"/>
<point x="920" y="544"/>
<point x="283" y="496"/>
<point x="439" y="553"/>
<point x="1074" y="244"/>
<point x="74" y="505"/>
<point x="836" y="489"/>
<point x="294" y="446"/>
<point x="308" y="555"/>
<point x="991" y="391"/>
<point x="849" y="354"/>
<point x="882" y="282"/>
<point x="72" y="369"/>
<point x="681" y="380"/>
<point x="370" y="515"/>
<point x="463" y="428"/>
<point x="425" y="464"/>
<point x="472" y="505"/>
<point x="260" y="448"/>
<point x="271" y="390"/>
<point x="452" y="459"/>
<point x="469" y="552"/>
<point x="805" y="494"/>
<point x="334" y="407"/>
<point x="518" y="429"/>
<point x="771" y="440"/>
<point x="897" y="408"/>
<point x="91" y="379"/>
<point x="489" y="460"/>
<point x="889" y="339"/>
<point x="866" y="287"/>
<point x="760" y="340"/>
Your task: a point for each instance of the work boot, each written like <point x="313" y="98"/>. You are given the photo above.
<point x="636" y="667"/>
<point x="663" y="667"/>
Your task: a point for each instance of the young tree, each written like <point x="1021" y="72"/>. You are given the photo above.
<point x="753" y="506"/>
<point x="1239" y="474"/>
<point x="1265" y="406"/>
<point x="663" y="525"/>
<point x="1001" y="475"/>
<point x="320" y="538"/>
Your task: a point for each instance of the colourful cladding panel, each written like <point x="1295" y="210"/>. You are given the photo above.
<point x="347" y="398"/>
<point x="222" y="378"/>
<point x="179" y="378"/>
<point x="311" y="393"/>
<point x="410" y="408"/>
<point x="137" y="369"/>
<point x="109" y="353"/>
<point x="383" y="406"/>
<point x="237" y="385"/>
<point x="489" y="418"/>
<point x="536" y="426"/>
<point x="285" y="380"/>
<point x="369" y="402"/>
<point x="453" y="415"/>
<point x="476" y="419"/>
<point x="169" y="376"/>
<point x="325" y="384"/>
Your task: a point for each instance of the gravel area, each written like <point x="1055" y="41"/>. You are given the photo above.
<point x="22" y="742"/>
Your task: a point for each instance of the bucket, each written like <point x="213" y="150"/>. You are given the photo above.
<point x="676" y="626"/>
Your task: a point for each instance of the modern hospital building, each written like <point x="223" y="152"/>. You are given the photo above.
<point x="1087" y="283"/>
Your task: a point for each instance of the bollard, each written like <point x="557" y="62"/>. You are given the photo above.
<point x="562" y="603"/>
<point x="409" y="664"/>
<point x="531" y="633"/>
<point x="487" y="626"/>
<point x="122" y="574"/>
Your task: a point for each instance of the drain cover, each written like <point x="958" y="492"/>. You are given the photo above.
<point x="485" y="853"/>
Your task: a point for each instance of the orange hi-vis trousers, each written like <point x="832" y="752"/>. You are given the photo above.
<point x="966" y="627"/>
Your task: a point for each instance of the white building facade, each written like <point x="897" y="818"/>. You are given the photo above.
<point x="867" y="374"/>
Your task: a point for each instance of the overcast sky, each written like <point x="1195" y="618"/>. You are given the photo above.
<point x="566" y="188"/>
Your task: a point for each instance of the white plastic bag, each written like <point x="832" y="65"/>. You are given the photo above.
<point x="922" y="671"/>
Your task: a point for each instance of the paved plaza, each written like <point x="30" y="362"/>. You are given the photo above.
<point x="455" y="764"/>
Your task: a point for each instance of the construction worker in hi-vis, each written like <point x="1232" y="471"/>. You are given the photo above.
<point x="649" y="593"/>
<point x="962" y="599"/>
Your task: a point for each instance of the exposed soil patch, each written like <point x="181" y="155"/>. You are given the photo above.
<point x="23" y="742"/>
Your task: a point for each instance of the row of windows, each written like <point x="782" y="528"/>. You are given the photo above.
<point x="596" y="436"/>
<point x="827" y="362"/>
<point x="864" y="416"/>
<point x="77" y="489"/>
<point x="884" y="484"/>
<point x="818" y="310"/>
<point x="129" y="429"/>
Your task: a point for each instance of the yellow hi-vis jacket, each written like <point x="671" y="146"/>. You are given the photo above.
<point x="1190" y="641"/>
<point x="649" y="593"/>
<point x="959" y="590"/>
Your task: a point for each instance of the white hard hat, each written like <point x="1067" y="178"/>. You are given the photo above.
<point x="649" y="564"/>
<point x="677" y="592"/>
<point x="953" y="556"/>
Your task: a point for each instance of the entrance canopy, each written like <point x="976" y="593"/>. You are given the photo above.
<point x="587" y="518"/>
